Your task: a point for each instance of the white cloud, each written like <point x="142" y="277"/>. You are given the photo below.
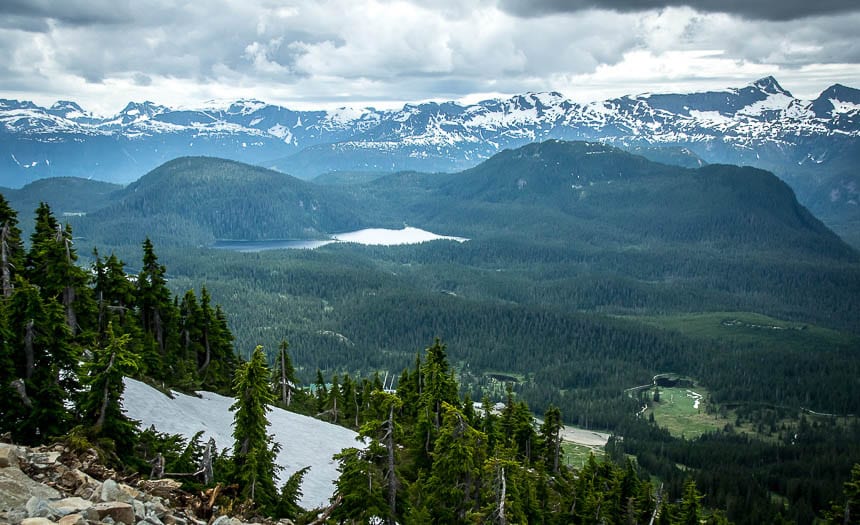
<point x="303" y="52"/>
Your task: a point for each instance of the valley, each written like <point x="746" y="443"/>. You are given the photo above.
<point x="588" y="270"/>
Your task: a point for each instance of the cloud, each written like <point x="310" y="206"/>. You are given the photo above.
<point x="781" y="10"/>
<point x="105" y="52"/>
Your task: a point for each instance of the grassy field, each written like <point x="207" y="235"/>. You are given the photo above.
<point x="575" y="455"/>
<point x="682" y="411"/>
<point x="751" y="328"/>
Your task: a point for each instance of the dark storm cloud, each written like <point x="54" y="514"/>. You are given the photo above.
<point x="32" y="15"/>
<point x="777" y="10"/>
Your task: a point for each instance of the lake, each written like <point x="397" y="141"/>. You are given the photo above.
<point x="368" y="237"/>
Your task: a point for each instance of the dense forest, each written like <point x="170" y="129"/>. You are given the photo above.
<point x="588" y="272"/>
<point x="71" y="337"/>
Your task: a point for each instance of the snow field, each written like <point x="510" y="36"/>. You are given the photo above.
<point x="304" y="441"/>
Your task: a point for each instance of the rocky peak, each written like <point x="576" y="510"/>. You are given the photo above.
<point x="769" y="85"/>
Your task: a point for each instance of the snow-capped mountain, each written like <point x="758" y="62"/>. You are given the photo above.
<point x="761" y="124"/>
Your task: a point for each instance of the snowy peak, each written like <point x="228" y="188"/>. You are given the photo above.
<point x="716" y="125"/>
<point x="771" y="86"/>
<point x="70" y="110"/>
<point x="836" y="100"/>
<point x="9" y="104"/>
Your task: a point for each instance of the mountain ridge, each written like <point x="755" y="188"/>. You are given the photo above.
<point x="811" y="144"/>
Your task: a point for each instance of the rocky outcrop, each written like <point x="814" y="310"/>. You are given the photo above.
<point x="54" y="486"/>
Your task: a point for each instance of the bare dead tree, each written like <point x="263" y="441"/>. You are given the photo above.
<point x="157" y="471"/>
<point x="21" y="388"/>
<point x="4" y="260"/>
<point x="105" y="393"/>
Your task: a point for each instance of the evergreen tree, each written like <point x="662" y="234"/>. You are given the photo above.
<point x="320" y="393"/>
<point x="100" y="405"/>
<point x="285" y="374"/>
<point x="253" y="453"/>
<point x="46" y="363"/>
<point x="156" y="313"/>
<point x="437" y="387"/>
<point x="847" y="512"/>
<point x="551" y="438"/>
<point x="359" y="487"/>
<point x="51" y="266"/>
<point x="690" y="511"/>
<point x="453" y="487"/>
<point x="114" y="294"/>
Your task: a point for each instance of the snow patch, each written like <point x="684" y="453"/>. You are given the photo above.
<point x="304" y="441"/>
<point x="774" y="102"/>
<point x="843" y="107"/>
<point x="281" y="132"/>
<point x="386" y="237"/>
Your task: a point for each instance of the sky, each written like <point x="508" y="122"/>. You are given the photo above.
<point x="307" y="54"/>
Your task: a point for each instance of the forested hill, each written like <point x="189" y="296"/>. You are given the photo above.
<point x="580" y="192"/>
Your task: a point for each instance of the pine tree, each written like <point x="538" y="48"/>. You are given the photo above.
<point x="690" y="507"/>
<point x="100" y="405"/>
<point x="320" y="392"/>
<point x="285" y="374"/>
<point x="156" y="313"/>
<point x="253" y="453"/>
<point x="114" y="294"/>
<point x="847" y="512"/>
<point x="46" y="363"/>
<point x="551" y="438"/>
<point x="359" y="487"/>
<point x="453" y="487"/>
<point x="51" y="266"/>
<point x="437" y="387"/>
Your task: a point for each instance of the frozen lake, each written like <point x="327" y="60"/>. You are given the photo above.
<point x="368" y="237"/>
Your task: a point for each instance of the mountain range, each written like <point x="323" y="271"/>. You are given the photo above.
<point x="812" y="144"/>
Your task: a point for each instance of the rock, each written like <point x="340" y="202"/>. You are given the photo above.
<point x="115" y="510"/>
<point x="155" y="508"/>
<point x="139" y="509"/>
<point x="110" y="491"/>
<point x="160" y="487"/>
<point x="226" y="520"/>
<point x="16" y="488"/>
<point x="13" y="516"/>
<point x="70" y="505"/>
<point x="43" y="459"/>
<point x="152" y="520"/>
<point x="72" y="519"/>
<point x="8" y="455"/>
<point x="37" y="521"/>
<point x="40" y="508"/>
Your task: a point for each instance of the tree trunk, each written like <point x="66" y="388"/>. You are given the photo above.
<point x="284" y="380"/>
<point x="4" y="260"/>
<point x="71" y="316"/>
<point x="157" y="471"/>
<point x="103" y="410"/>
<point x="208" y="476"/>
<point x="392" y="478"/>
<point x="30" y="357"/>
<point x="206" y="360"/>
<point x="502" y="496"/>
<point x="21" y="388"/>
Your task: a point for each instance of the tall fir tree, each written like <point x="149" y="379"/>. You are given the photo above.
<point x="285" y="374"/>
<point x="46" y="363"/>
<point x="156" y="314"/>
<point x="100" y="406"/>
<point x="51" y="265"/>
<point x="253" y="452"/>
